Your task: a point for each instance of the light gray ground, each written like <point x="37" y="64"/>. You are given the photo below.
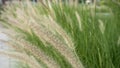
<point x="5" y="61"/>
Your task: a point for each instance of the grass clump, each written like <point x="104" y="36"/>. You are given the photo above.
<point x="65" y="36"/>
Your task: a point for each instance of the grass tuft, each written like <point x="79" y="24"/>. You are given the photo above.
<point x="65" y="35"/>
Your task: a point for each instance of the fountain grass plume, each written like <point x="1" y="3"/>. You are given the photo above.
<point x="68" y="36"/>
<point x="29" y="21"/>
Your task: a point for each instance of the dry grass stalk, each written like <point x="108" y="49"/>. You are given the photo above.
<point x="79" y="21"/>
<point x="101" y="26"/>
